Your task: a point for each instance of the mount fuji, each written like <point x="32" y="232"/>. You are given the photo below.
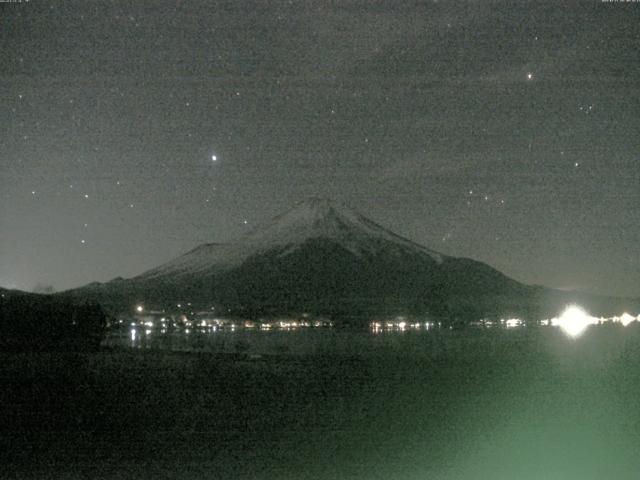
<point x="323" y="258"/>
<point x="315" y="219"/>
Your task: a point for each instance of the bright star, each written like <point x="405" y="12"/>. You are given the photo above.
<point x="529" y="76"/>
<point x="214" y="158"/>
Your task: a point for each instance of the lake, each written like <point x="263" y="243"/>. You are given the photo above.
<point x="494" y="404"/>
<point x="423" y="341"/>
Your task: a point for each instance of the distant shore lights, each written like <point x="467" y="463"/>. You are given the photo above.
<point x="625" y="319"/>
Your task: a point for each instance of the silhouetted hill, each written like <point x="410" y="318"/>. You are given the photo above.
<point x="30" y="321"/>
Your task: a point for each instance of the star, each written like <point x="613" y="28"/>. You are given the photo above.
<point x="529" y="76"/>
<point x="214" y="158"/>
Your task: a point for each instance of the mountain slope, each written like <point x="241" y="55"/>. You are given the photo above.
<point x="323" y="258"/>
<point x="311" y="219"/>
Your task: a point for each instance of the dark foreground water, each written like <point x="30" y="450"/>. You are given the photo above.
<point x="329" y="404"/>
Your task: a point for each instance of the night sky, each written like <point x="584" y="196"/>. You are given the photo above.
<point x="133" y="131"/>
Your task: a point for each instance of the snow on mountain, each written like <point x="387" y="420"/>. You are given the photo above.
<point x="314" y="218"/>
<point x="209" y="258"/>
<point x="321" y="218"/>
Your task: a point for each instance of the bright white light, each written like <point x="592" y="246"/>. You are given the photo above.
<point x="214" y="158"/>
<point x="529" y="76"/>
<point x="133" y="334"/>
<point x="513" y="322"/>
<point x="626" y="319"/>
<point x="139" y="308"/>
<point x="573" y="321"/>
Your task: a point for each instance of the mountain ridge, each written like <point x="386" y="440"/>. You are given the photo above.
<point x="312" y="218"/>
<point x="324" y="258"/>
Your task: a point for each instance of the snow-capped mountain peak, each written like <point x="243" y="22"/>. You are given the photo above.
<point x="314" y="217"/>
<point x="311" y="219"/>
<point x="329" y="220"/>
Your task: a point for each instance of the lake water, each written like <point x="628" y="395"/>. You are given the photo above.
<point x="302" y="341"/>
<point x="431" y="343"/>
<point x="474" y="404"/>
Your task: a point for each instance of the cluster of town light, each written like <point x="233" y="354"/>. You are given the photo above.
<point x="401" y="324"/>
<point x="150" y="321"/>
<point x="573" y="321"/>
